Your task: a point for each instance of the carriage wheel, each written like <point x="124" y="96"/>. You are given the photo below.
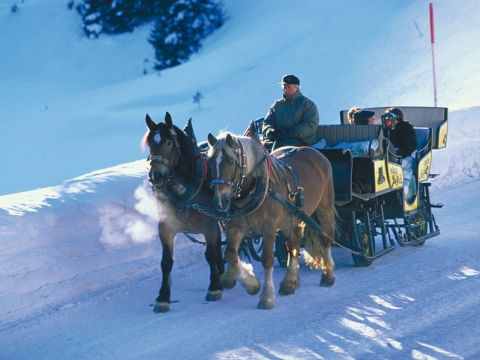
<point x="281" y="249"/>
<point x="363" y="259"/>
<point x="255" y="246"/>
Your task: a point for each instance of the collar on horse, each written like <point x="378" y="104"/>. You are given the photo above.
<point x="256" y="196"/>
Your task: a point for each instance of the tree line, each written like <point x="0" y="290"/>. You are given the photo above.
<point x="179" y="26"/>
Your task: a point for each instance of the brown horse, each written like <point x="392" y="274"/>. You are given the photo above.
<point x="177" y="174"/>
<point x="238" y="165"/>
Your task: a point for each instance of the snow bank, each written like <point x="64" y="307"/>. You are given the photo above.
<point x="85" y="235"/>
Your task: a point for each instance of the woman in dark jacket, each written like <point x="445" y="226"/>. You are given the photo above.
<point x="402" y="136"/>
<point x="405" y="142"/>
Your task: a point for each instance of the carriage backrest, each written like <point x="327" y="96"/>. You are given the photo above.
<point x="423" y="136"/>
<point x="334" y="134"/>
<point x="435" y="118"/>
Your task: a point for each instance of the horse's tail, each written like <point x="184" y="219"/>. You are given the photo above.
<point x="318" y="246"/>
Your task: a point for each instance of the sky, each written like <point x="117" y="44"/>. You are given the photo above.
<point x="79" y="254"/>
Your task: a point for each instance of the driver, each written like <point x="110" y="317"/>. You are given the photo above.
<point x="291" y="120"/>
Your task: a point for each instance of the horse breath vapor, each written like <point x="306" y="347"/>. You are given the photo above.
<point x="120" y="226"/>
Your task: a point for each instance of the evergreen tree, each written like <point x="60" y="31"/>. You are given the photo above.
<point x="180" y="28"/>
<point x="116" y="16"/>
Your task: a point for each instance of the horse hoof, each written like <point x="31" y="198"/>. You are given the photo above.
<point x="229" y="284"/>
<point x="286" y="288"/>
<point x="253" y="288"/>
<point x="214" y="295"/>
<point x="266" y="305"/>
<point x="327" y="281"/>
<point x="161" y="307"/>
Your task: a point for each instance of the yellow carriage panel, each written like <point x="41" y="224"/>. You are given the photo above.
<point x="395" y="175"/>
<point x="410" y="207"/>
<point x="424" y="167"/>
<point x="380" y="175"/>
<point x="442" y="136"/>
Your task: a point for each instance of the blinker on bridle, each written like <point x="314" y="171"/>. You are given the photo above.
<point x="162" y="160"/>
<point x="237" y="188"/>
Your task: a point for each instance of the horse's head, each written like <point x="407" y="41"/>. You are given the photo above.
<point x="164" y="147"/>
<point x="225" y="169"/>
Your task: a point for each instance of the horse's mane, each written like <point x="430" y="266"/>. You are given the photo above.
<point x="144" y="141"/>
<point x="186" y="146"/>
<point x="252" y="149"/>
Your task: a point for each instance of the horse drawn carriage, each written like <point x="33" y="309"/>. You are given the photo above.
<point x="367" y="195"/>
<point x="374" y="210"/>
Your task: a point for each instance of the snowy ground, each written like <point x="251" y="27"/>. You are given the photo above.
<point x="80" y="270"/>
<point x="419" y="303"/>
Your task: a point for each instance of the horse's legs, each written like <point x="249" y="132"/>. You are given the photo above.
<point x="231" y="256"/>
<point x="327" y="219"/>
<point x="162" y="303"/>
<point x="267" y="298"/>
<point x="213" y="240"/>
<point x="237" y="269"/>
<point x="291" y="280"/>
<point x="328" y="278"/>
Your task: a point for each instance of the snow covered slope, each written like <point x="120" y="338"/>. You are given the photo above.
<point x="72" y="105"/>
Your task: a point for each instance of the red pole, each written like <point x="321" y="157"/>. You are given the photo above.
<point x="432" y="41"/>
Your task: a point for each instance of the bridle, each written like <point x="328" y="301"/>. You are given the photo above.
<point x="168" y="163"/>
<point x="240" y="175"/>
<point x="238" y="179"/>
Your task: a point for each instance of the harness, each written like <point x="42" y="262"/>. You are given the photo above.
<point x="236" y="186"/>
<point x="295" y="202"/>
<point x="256" y="197"/>
<point x="172" y="188"/>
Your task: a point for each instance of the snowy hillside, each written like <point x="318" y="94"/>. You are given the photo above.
<point x="79" y="260"/>
<point x="71" y="105"/>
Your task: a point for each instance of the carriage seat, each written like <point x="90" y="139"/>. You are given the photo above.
<point x="424" y="144"/>
<point x="361" y="140"/>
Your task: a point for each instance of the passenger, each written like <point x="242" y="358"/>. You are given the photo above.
<point x="359" y="148"/>
<point x="291" y="120"/>
<point x="350" y="113"/>
<point x="404" y="140"/>
<point x="402" y="136"/>
<point x="364" y="117"/>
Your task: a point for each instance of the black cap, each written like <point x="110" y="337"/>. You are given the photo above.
<point x="290" y="80"/>
<point x="361" y="117"/>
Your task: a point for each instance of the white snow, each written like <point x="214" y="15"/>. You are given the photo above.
<point x="79" y="258"/>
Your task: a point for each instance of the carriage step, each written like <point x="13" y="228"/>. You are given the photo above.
<point x="437" y="205"/>
<point x="433" y="175"/>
